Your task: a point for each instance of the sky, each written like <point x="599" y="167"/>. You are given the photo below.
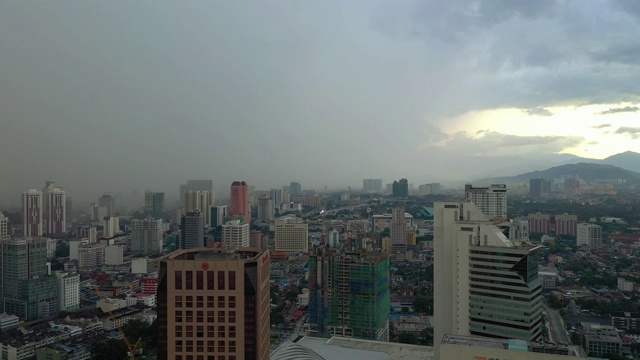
<point x="104" y="96"/>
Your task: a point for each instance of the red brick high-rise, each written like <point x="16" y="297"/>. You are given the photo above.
<point x="240" y="200"/>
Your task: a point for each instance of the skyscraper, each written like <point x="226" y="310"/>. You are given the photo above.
<point x="146" y="236"/>
<point x="4" y="227"/>
<point x="197" y="185"/>
<point x="200" y="200"/>
<point x="235" y="234"/>
<point x="265" y="209"/>
<point x="154" y="204"/>
<point x="32" y="213"/>
<point x="539" y="187"/>
<point x="23" y="260"/>
<point x="108" y="202"/>
<point x="484" y="283"/>
<point x="214" y="303"/>
<point x="217" y="215"/>
<point x="240" y="201"/>
<point x="398" y="230"/>
<point x="400" y="188"/>
<point x="373" y="186"/>
<point x="492" y="200"/>
<point x="349" y="294"/>
<point x="295" y="189"/>
<point x="192" y="230"/>
<point x="291" y="235"/>
<point x="56" y="218"/>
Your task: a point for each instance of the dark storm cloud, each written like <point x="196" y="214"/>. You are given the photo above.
<point x="124" y="95"/>
<point x="539" y="111"/>
<point x="619" y="110"/>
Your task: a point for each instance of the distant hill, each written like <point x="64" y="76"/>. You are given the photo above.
<point x="627" y="160"/>
<point x="589" y="172"/>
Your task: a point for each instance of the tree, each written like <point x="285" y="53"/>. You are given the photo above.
<point x="423" y="304"/>
<point x="109" y="349"/>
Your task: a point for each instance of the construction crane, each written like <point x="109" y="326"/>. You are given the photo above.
<point x="133" y="350"/>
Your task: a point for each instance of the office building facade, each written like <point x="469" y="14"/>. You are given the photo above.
<point x="146" y="236"/>
<point x="398" y="230"/>
<point x="191" y="230"/>
<point x="295" y="189"/>
<point x="240" y="201"/>
<point x="291" y="235"/>
<point x="491" y="200"/>
<point x="266" y="210"/>
<point x="349" y="294"/>
<point x="590" y="235"/>
<point x="539" y="187"/>
<point x="154" y="204"/>
<point x="484" y="283"/>
<point x="197" y="185"/>
<point x="235" y="234"/>
<point x="372" y="186"/>
<point x="200" y="200"/>
<point x="4" y="227"/>
<point x="214" y="304"/>
<point x="400" y="188"/>
<point x="109" y="203"/>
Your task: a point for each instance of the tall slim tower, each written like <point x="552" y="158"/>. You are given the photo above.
<point x="200" y="200"/>
<point x="192" y="230"/>
<point x="154" y="204"/>
<point x="214" y="303"/>
<point x="398" y="230"/>
<point x="32" y="213"/>
<point x="4" y="227"/>
<point x="240" y="200"/>
<point x="484" y="283"/>
<point x="56" y="218"/>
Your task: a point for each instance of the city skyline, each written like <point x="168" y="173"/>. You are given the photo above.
<point x="101" y="105"/>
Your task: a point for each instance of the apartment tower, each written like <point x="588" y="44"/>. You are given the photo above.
<point x="146" y="236"/>
<point x="240" y="200"/>
<point x="398" y="230"/>
<point x="32" y="213"/>
<point x="200" y="200"/>
<point x="214" y="304"/>
<point x="192" y="230"/>
<point x="235" y="234"/>
<point x="484" y="283"/>
<point x="491" y="200"/>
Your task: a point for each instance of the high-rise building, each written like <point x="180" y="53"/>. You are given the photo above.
<point x="154" y="204"/>
<point x="192" y="231"/>
<point x="400" y="188"/>
<point x="214" y="303"/>
<point x="217" y="213"/>
<point x="4" y="227"/>
<point x="295" y="189"/>
<point x="32" y="213"/>
<point x="114" y="255"/>
<point x="110" y="226"/>
<point x="291" y="235"/>
<point x="539" y="223"/>
<point x="197" y="185"/>
<point x="235" y="234"/>
<point x="90" y="257"/>
<point x="492" y="200"/>
<point x="398" y="230"/>
<point x="566" y="224"/>
<point x="539" y="187"/>
<point x="589" y="234"/>
<point x="108" y="202"/>
<point x="373" y="186"/>
<point x="349" y="294"/>
<point x="53" y="209"/>
<point x="484" y="283"/>
<point x="276" y="197"/>
<point x="240" y="201"/>
<point x="22" y="259"/>
<point x="146" y="236"/>
<point x="68" y="291"/>
<point x="266" y="209"/>
<point x="200" y="200"/>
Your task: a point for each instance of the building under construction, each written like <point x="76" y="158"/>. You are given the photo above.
<point x="349" y="294"/>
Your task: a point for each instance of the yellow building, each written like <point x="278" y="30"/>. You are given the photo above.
<point x="411" y="237"/>
<point x="386" y="244"/>
<point x="292" y="235"/>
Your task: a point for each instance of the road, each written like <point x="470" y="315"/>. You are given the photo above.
<point x="557" y="331"/>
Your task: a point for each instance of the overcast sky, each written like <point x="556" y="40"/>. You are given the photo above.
<point x="108" y="95"/>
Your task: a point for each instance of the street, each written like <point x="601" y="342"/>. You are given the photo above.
<point x="557" y="332"/>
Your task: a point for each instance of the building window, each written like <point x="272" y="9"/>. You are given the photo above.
<point x="221" y="302"/>
<point x="210" y="275"/>
<point x="220" y="280"/>
<point x="178" y="280"/>
<point x="221" y="317"/>
<point x="210" y="300"/>
<point x="189" y="280"/>
<point x="210" y="316"/>
<point x="199" y="280"/>
<point x="232" y="302"/>
<point x="232" y="280"/>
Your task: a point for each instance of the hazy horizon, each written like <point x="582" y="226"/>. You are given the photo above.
<point x="108" y="96"/>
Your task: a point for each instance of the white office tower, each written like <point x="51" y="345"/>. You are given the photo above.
<point x="200" y="200"/>
<point x="333" y="239"/>
<point x="589" y="234"/>
<point x="68" y="291"/>
<point x="114" y="255"/>
<point x="266" y="211"/>
<point x="93" y="234"/>
<point x="235" y="234"/>
<point x="146" y="236"/>
<point x="484" y="284"/>
<point x="4" y="227"/>
<point x="492" y="200"/>
<point x="111" y="226"/>
<point x="32" y="213"/>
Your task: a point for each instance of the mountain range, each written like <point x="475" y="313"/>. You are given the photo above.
<point x="625" y="166"/>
